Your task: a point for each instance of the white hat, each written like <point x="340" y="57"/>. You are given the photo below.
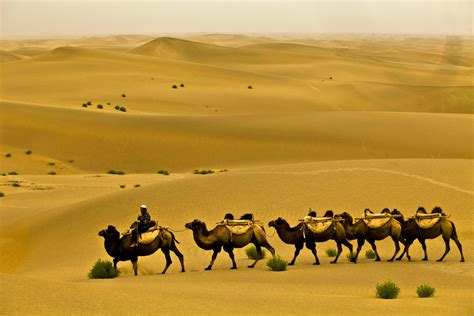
<point x="143" y="206"/>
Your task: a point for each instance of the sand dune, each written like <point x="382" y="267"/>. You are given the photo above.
<point x="7" y="56"/>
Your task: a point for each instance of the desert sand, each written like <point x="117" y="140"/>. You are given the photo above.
<point x="339" y="122"/>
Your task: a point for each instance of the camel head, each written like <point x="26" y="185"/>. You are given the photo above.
<point x="195" y="224"/>
<point x="111" y="231"/>
<point x="277" y="223"/>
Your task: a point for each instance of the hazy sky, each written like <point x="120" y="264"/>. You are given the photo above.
<point x="41" y="18"/>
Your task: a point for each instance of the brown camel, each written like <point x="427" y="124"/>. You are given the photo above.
<point x="220" y="237"/>
<point x="295" y="236"/>
<point x="411" y="231"/>
<point x="119" y="247"/>
<point x="360" y="230"/>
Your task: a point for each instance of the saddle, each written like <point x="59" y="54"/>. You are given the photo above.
<point x="237" y="226"/>
<point x="318" y="225"/>
<point x="425" y="220"/>
<point x="146" y="237"/>
<point x="375" y="221"/>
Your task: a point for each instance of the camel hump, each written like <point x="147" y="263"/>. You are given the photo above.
<point x="312" y="214"/>
<point x="386" y="211"/>
<point x="421" y="209"/>
<point x="247" y="216"/>
<point x="229" y="216"/>
<point x="437" y="210"/>
<point x="329" y="213"/>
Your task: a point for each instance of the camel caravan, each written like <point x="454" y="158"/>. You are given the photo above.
<point x="145" y="236"/>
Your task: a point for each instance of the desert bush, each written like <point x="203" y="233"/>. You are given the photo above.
<point x="28" y="152"/>
<point x="117" y="107"/>
<point x="71" y="161"/>
<point x="52" y="173"/>
<point x="163" y="172"/>
<point x="387" y="290"/>
<point x="250" y="87"/>
<point x="350" y="256"/>
<point x="103" y="269"/>
<point x="2" y="194"/>
<point x="331" y="252"/>
<point x="182" y="85"/>
<point x="370" y="254"/>
<point x="425" y="291"/>
<point x="8" y="155"/>
<point x="252" y="253"/>
<point x="123" y="109"/>
<point x="330" y="78"/>
<point x="108" y="103"/>
<point x="100" y="106"/>
<point x="223" y="170"/>
<point x="203" y="171"/>
<point x="51" y="163"/>
<point x="15" y="184"/>
<point x="123" y="95"/>
<point x="174" y="86"/>
<point x="122" y="186"/>
<point x="119" y="172"/>
<point x="137" y="186"/>
<point x="89" y="103"/>
<point x="12" y="173"/>
<point x="84" y="105"/>
<point x="277" y="264"/>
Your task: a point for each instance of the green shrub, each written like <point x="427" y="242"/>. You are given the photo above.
<point x="103" y="270"/>
<point x="174" y="86"/>
<point x="119" y="172"/>
<point x="330" y="78"/>
<point x="223" y="170"/>
<point x="203" y="171"/>
<point x="15" y="184"/>
<point x="13" y="173"/>
<point x="137" y="186"/>
<point x="163" y="172"/>
<point x="387" y="290"/>
<point x="28" y="152"/>
<point x="2" y="194"/>
<point x="277" y="264"/>
<point x="51" y="163"/>
<point x="4" y="174"/>
<point x="123" y="109"/>
<point x="108" y="103"/>
<point x="8" y="155"/>
<point x="182" y="85"/>
<point x="252" y="253"/>
<point x="123" y="95"/>
<point x="370" y="254"/>
<point x="84" y="105"/>
<point x="350" y="256"/>
<point x="52" y="173"/>
<point x="122" y="186"/>
<point x="331" y="252"/>
<point x="250" y="87"/>
<point x="100" y="106"/>
<point x="117" y="107"/>
<point x="425" y="291"/>
<point x="89" y="103"/>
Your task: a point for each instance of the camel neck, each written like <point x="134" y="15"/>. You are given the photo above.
<point x="289" y="234"/>
<point x="203" y="238"/>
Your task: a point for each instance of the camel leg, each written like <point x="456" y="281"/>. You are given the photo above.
<point x="229" y="250"/>
<point x="259" y="255"/>
<point x="115" y="263"/>
<point x="397" y="248"/>
<point x="214" y="256"/>
<point x="135" y="266"/>
<point x="166" y="251"/>
<point x="339" y="250"/>
<point x="456" y="240"/>
<point x="298" y="248"/>
<point x="312" y="247"/>
<point x="349" y="246"/>
<point x="179" y="255"/>
<point x="267" y="246"/>
<point x="374" y="248"/>
<point x="360" y="243"/>
<point x="405" y="250"/>
<point x="446" y="250"/>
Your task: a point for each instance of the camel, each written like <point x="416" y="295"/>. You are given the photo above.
<point x="119" y="247"/>
<point x="220" y="237"/>
<point x="411" y="231"/>
<point x="295" y="236"/>
<point x="361" y="231"/>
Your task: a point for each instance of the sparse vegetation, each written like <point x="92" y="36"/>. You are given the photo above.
<point x="425" y="291"/>
<point x="250" y="87"/>
<point x="331" y="252"/>
<point x="122" y="186"/>
<point x="84" y="105"/>
<point x="51" y="163"/>
<point x="137" y="185"/>
<point x="119" y="172"/>
<point x="103" y="270"/>
<point x="203" y="172"/>
<point x="100" y="106"/>
<point x="71" y="161"/>
<point x="223" y="170"/>
<point x="28" y="152"/>
<point x="330" y="78"/>
<point x="277" y="264"/>
<point x="387" y="290"/>
<point x="52" y="173"/>
<point x="182" y="85"/>
<point x="12" y="173"/>
<point x="370" y="254"/>
<point x="16" y="184"/>
<point x="108" y="103"/>
<point x="89" y="103"/>
<point x="123" y="109"/>
<point x="2" y="194"/>
<point x="163" y="172"/>
<point x="8" y="155"/>
<point x="123" y="95"/>
<point x="350" y="256"/>
<point x="117" y="107"/>
<point x="252" y="253"/>
<point x="174" y="86"/>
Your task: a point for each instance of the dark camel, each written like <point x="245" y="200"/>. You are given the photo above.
<point x="220" y="237"/>
<point x="411" y="231"/>
<point x="119" y="248"/>
<point x="360" y="230"/>
<point x="294" y="236"/>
